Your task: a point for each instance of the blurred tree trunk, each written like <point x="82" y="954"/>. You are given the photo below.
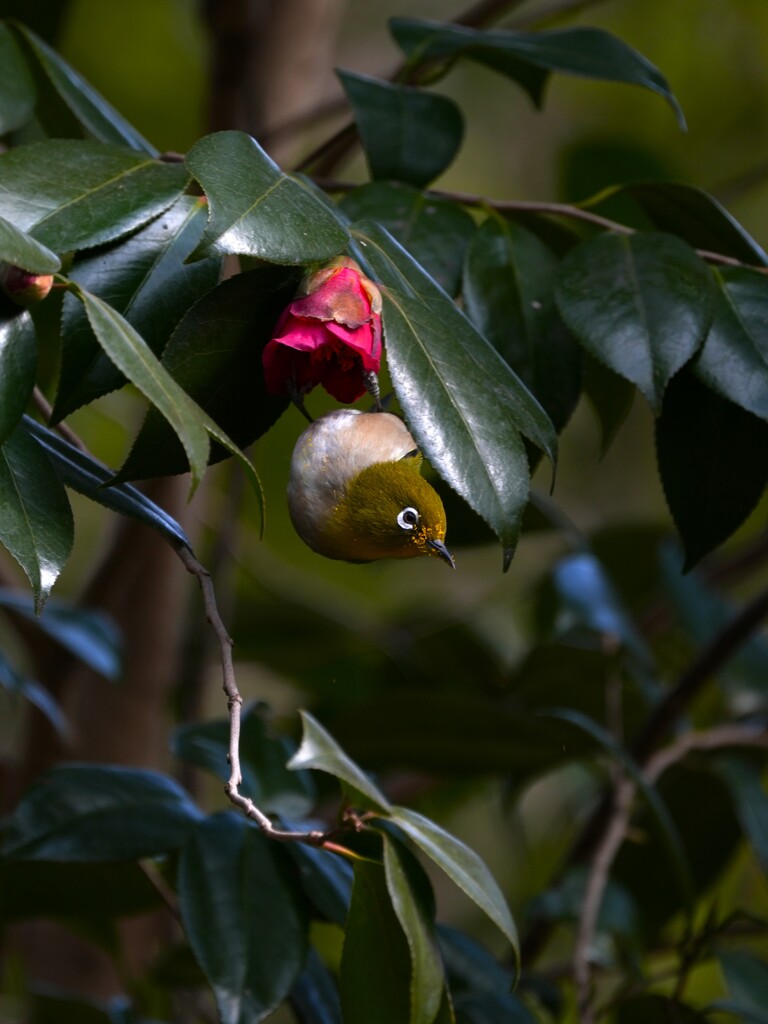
<point x="266" y="62"/>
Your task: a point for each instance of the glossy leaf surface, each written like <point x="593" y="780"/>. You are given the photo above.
<point x="408" y="134"/>
<point x="146" y="280"/>
<point x="97" y="118"/>
<point x="529" y="57"/>
<point x="462" y="865"/>
<point x="133" y="357"/>
<point x="734" y="359"/>
<point x="35" y="518"/>
<point x="18" y="366"/>
<point x="375" y="963"/>
<point x="22" y="250"/>
<point x="326" y="880"/>
<point x="319" y="750"/>
<point x="92" y="478"/>
<point x="255" y="209"/>
<point x="91" y="813"/>
<point x="713" y="463"/>
<point x="435" y="232"/>
<point x="97" y="194"/>
<point x="509" y="281"/>
<point x="215" y="355"/>
<point x="464" y="405"/>
<point x="641" y="304"/>
<point x="242" y="918"/>
<point x="17" y="89"/>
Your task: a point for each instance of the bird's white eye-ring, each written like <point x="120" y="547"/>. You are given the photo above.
<point x="408" y="518"/>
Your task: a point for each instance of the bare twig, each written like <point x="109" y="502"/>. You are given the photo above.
<point x="45" y="408"/>
<point x="235" y="704"/>
<point x="615" y="832"/>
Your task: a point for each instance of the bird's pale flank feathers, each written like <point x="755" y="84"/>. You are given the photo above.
<point x="355" y="491"/>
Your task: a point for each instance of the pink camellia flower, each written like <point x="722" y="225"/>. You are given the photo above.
<point x="23" y="287"/>
<point x="330" y="335"/>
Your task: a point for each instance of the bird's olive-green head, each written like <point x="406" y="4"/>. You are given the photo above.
<point x="356" y="493"/>
<point x="389" y="511"/>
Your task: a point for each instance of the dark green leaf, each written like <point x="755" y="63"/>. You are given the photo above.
<point x="713" y="463"/>
<point x="35" y="518"/>
<point x="86" y="475"/>
<point x="17" y="90"/>
<point x="18" y="366"/>
<point x="480" y="986"/>
<point x="743" y="778"/>
<point x="21" y="250"/>
<point x="255" y="209"/>
<point x="242" y="917"/>
<point x="640" y="303"/>
<point x="97" y="194"/>
<point x="610" y="396"/>
<point x="697" y="217"/>
<point x="426" y="973"/>
<point x="435" y="231"/>
<point x="747" y="981"/>
<point x="375" y="962"/>
<point x="408" y="135"/>
<point x="509" y="281"/>
<point x="215" y="355"/>
<point x="465" y="406"/>
<point x="91" y="813"/>
<point x="663" y="819"/>
<point x="131" y="354"/>
<point x="98" y="118"/>
<point x="734" y="359"/>
<point x="146" y="280"/>
<point x="315" y="997"/>
<point x="462" y="865"/>
<point x="529" y="57"/>
<point x="263" y="756"/>
<point x="325" y="879"/>
<point x="85" y="632"/>
<point x="319" y="750"/>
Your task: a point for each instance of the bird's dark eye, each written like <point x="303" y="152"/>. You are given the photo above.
<point x="408" y="518"/>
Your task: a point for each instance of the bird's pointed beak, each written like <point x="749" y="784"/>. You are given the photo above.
<point x="437" y="547"/>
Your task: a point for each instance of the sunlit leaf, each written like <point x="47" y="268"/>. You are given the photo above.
<point x="319" y="750"/>
<point x="35" y="518"/>
<point x="462" y="865"/>
<point x="243" y="920"/>
<point x="145" y="279"/>
<point x="22" y="250"/>
<point x="255" y="209"/>
<point x="713" y="463"/>
<point x="464" y="405"/>
<point x="98" y="192"/>
<point x="91" y="813"/>
<point x="642" y="304"/>
<point x="408" y="134"/>
<point x="529" y="57"/>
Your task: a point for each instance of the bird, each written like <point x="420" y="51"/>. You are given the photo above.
<point x="356" y="493"/>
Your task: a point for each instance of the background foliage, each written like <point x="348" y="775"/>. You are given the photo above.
<point x="579" y="740"/>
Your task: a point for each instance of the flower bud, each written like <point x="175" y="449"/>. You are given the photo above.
<point x="23" y="287"/>
<point x="329" y="335"/>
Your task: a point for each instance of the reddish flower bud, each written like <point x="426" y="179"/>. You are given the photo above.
<point x="330" y="335"/>
<point x="21" y="286"/>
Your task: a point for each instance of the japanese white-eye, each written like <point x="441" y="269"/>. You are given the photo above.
<point x="356" y="492"/>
